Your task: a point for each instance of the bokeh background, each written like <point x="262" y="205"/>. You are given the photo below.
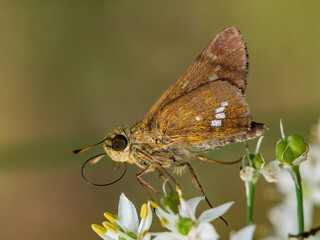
<point x="70" y="71"/>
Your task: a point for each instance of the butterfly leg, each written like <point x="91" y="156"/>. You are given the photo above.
<point x="215" y="161"/>
<point x="144" y="184"/>
<point x="195" y="178"/>
<point x="156" y="163"/>
<point x="161" y="174"/>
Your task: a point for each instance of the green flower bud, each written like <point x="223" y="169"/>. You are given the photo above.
<point x="184" y="225"/>
<point x="171" y="201"/>
<point x="254" y="160"/>
<point x="291" y="148"/>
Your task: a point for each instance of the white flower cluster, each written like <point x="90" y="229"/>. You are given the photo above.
<point x="256" y="167"/>
<point x="283" y="216"/>
<point x="183" y="225"/>
<point x="126" y="225"/>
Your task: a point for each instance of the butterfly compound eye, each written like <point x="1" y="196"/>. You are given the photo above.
<point x="119" y="142"/>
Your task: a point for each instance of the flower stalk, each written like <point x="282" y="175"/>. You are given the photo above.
<point x="291" y="152"/>
<point x="250" y="198"/>
<point x="253" y="166"/>
<point x="299" y="196"/>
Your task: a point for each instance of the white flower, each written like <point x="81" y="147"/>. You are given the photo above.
<point x="126" y="225"/>
<point x="284" y="216"/>
<point x="248" y="174"/>
<point x="270" y="171"/>
<point x="244" y="234"/>
<point x="254" y="166"/>
<point x="185" y="225"/>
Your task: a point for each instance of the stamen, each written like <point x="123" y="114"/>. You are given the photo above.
<point x="163" y="222"/>
<point x="144" y="211"/>
<point x="98" y="229"/>
<point x="112" y="218"/>
<point x="144" y="233"/>
<point x="153" y="204"/>
<point x="110" y="227"/>
<point x="181" y="196"/>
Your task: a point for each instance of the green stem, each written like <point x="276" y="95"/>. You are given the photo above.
<point x="299" y="199"/>
<point x="250" y="197"/>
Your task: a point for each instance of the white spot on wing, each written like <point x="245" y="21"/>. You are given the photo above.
<point x="217" y="68"/>
<point x="184" y="85"/>
<point x="213" y="57"/>
<point x="220" y="115"/>
<point x="220" y="109"/>
<point x="223" y="104"/>
<point x="213" y="77"/>
<point x="216" y="123"/>
<point x="198" y="118"/>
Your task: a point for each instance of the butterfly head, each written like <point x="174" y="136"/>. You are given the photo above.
<point x="117" y="145"/>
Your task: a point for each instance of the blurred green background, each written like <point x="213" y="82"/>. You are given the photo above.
<point x="70" y="71"/>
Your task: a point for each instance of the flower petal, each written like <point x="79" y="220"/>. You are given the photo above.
<point x="184" y="207"/>
<point x="213" y="213"/>
<point x="165" y="236"/>
<point x="316" y="195"/>
<point x="110" y="235"/>
<point x="270" y="171"/>
<point x="248" y="173"/>
<point x="192" y="203"/>
<point x="284" y="218"/>
<point x="106" y="237"/>
<point x="170" y="218"/>
<point x="128" y="214"/>
<point x="244" y="234"/>
<point x="302" y="158"/>
<point x="271" y="238"/>
<point x="204" y="231"/>
<point x="147" y="237"/>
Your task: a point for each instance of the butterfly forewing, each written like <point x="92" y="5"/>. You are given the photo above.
<point x="224" y="58"/>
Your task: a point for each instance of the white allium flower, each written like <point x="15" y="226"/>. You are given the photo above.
<point x="248" y="174"/>
<point x="126" y="225"/>
<point x="284" y="216"/>
<point x="185" y="225"/>
<point x="254" y="166"/>
<point x="245" y="233"/>
<point x="270" y="171"/>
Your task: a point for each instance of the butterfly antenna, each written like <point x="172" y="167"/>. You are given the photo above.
<point x="86" y="148"/>
<point x="98" y="184"/>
